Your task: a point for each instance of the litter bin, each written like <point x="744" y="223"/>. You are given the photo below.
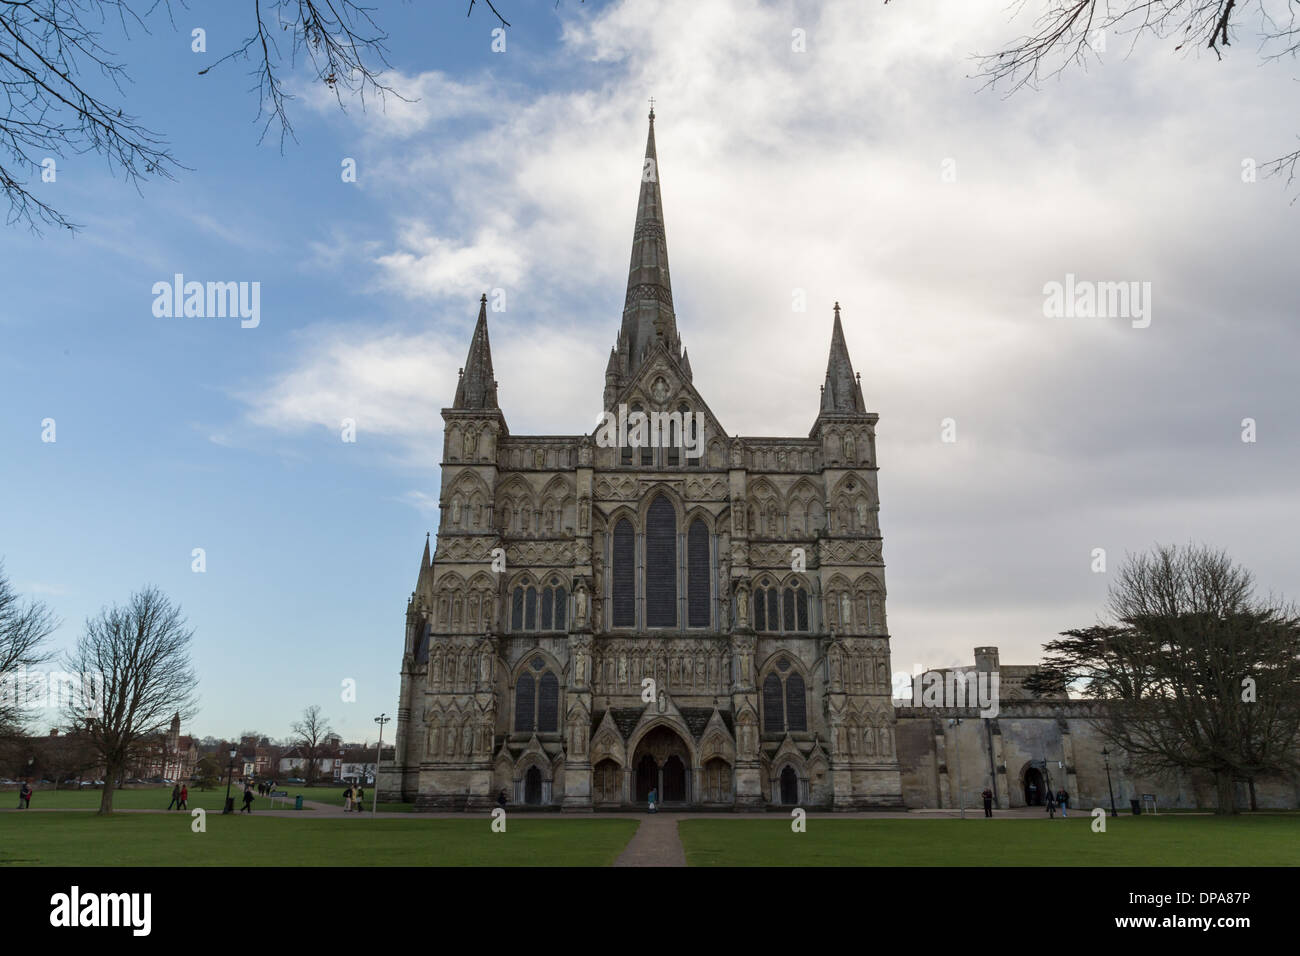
<point x="1137" y="807"/>
<point x="297" y="802"/>
<point x="230" y="805"/>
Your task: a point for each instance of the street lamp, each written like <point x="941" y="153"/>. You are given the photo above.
<point x="230" y="773"/>
<point x="1105" y="755"/>
<point x="961" y="796"/>
<point x="379" y="750"/>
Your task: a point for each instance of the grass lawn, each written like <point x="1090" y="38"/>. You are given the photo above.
<point x="151" y="799"/>
<point x="77" y="839"/>
<point x="1128" y="841"/>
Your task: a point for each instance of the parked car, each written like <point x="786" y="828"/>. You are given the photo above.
<point x="296" y="780"/>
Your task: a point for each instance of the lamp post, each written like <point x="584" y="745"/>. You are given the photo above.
<point x="961" y="796"/>
<point x="379" y="750"/>
<point x="230" y="773"/>
<point x="1105" y="755"/>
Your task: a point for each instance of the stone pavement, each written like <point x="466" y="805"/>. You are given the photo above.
<point x="655" y="843"/>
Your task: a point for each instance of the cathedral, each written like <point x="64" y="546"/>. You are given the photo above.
<point x="658" y="605"/>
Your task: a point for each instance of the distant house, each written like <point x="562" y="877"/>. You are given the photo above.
<point x="171" y="756"/>
<point x="358" y="764"/>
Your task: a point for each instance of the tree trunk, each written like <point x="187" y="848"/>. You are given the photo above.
<point x="1227" y="797"/>
<point x="106" y="801"/>
<point x="1253" y="806"/>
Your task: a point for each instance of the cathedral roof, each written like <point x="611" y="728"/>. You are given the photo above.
<point x="478" y="386"/>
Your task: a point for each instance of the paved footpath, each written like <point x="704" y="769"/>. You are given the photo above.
<point x="655" y="843"/>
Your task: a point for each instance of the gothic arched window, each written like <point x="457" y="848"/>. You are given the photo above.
<point x="697" y="569"/>
<point x="517" y="610"/>
<point x="554" y="607"/>
<point x="525" y="702"/>
<point x="530" y="609"/>
<point x="661" y="564"/>
<point x="781" y="610"/>
<point x="624" y="574"/>
<point x="537" y="699"/>
<point x="561" y="604"/>
<point x="785" y="703"/>
<point x="548" y="705"/>
<point x="796" y="713"/>
<point x="773" y="705"/>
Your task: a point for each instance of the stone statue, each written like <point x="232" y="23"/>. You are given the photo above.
<point x="455" y="511"/>
<point x="863" y="524"/>
<point x="848" y="448"/>
<point x="471" y="441"/>
<point x="737" y="457"/>
<point x="584" y="453"/>
<point x="580" y="606"/>
<point x="846" y="610"/>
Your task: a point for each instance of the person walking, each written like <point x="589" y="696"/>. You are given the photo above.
<point x="988" y="802"/>
<point x="347" y="799"/>
<point x="25" y="796"/>
<point x="361" y="799"/>
<point x="1051" y="804"/>
<point x="248" y="800"/>
<point x="501" y="799"/>
<point x="185" y="796"/>
<point x="176" y="797"/>
<point x="653" y="800"/>
<point x="1063" y="801"/>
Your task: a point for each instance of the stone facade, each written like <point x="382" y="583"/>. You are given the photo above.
<point x="1049" y="742"/>
<point x="705" y="617"/>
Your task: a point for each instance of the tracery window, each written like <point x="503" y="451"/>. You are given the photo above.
<point x="537" y="699"/>
<point x="785" y="699"/>
<point x="623" y="573"/>
<point x="661" y="564"/>
<point x="524" y="606"/>
<point x="698" y="574"/>
<point x="780" y="610"/>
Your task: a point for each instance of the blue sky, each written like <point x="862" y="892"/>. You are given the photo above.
<point x="818" y="171"/>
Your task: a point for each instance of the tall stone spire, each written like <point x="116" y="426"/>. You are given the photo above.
<point x="477" y="387"/>
<point x="648" y="315"/>
<point x="842" y="391"/>
<point x="424" y="583"/>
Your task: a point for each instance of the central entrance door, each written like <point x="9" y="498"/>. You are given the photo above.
<point x="533" y="787"/>
<point x="662" y="763"/>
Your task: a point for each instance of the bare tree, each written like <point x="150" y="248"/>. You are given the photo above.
<point x="24" y="626"/>
<point x="1073" y="33"/>
<point x="139" y="655"/>
<point x="309" y="736"/>
<point x="63" y="90"/>
<point x="1199" y="674"/>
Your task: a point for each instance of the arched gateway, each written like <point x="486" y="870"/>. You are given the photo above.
<point x="662" y="762"/>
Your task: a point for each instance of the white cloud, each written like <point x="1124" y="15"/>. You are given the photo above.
<point x="822" y="171"/>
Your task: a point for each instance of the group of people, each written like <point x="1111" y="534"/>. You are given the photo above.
<point x="264" y="788"/>
<point x="354" y="799"/>
<point x="1059" y="800"/>
<point x="180" y="796"/>
<point x="25" y="796"/>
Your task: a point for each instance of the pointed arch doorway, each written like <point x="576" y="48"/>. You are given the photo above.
<point x="662" y="762"/>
